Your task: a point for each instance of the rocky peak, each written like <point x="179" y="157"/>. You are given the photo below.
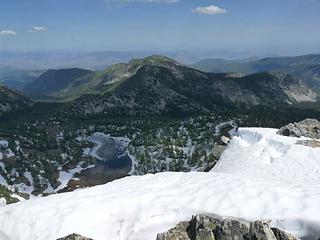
<point x="295" y="90"/>
<point x="120" y="72"/>
<point x="309" y="128"/>
<point x="74" y="237"/>
<point x="154" y="60"/>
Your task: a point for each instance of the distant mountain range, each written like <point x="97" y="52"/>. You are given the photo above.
<point x="306" y="68"/>
<point x="160" y="85"/>
<point x="98" y="60"/>
<point x="17" y="78"/>
<point x="64" y="59"/>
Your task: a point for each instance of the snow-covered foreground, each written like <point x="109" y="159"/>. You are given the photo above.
<point x="270" y="184"/>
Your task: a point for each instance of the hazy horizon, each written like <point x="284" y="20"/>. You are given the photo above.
<point x="286" y="27"/>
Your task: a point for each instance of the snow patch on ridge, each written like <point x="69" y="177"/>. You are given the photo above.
<point x="261" y="153"/>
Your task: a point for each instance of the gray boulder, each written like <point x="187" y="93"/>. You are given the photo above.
<point x="307" y="128"/>
<point x="217" y="150"/>
<point x="205" y="234"/>
<point x="202" y="227"/>
<point x="282" y="235"/>
<point x="261" y="231"/>
<point x="75" y="237"/>
<point x="177" y="233"/>
<point x="213" y="227"/>
<point x="232" y="229"/>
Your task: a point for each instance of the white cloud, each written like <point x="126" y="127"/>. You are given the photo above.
<point x="144" y="1"/>
<point x="38" y="29"/>
<point x="7" y="32"/>
<point x="209" y="10"/>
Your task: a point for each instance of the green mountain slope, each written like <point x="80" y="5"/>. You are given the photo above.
<point x="51" y="82"/>
<point x="12" y="101"/>
<point x="69" y="84"/>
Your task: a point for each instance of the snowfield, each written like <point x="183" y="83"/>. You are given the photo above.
<point x="261" y="153"/>
<point x="260" y="176"/>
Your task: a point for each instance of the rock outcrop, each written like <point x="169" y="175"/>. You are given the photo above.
<point x="212" y="227"/>
<point x="309" y="128"/>
<point x="260" y="231"/>
<point x="217" y="150"/>
<point x="74" y="237"/>
<point x="281" y="235"/>
<point x="177" y="233"/>
<point x="309" y="143"/>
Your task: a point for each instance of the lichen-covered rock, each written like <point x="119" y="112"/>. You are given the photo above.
<point x="74" y="237"/>
<point x="201" y="225"/>
<point x="282" y="235"/>
<point x="213" y="227"/>
<point x="307" y="128"/>
<point x="232" y="229"/>
<point x="205" y="234"/>
<point x="177" y="233"/>
<point x="261" y="231"/>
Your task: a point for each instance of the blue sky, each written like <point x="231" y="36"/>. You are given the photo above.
<point x="159" y="24"/>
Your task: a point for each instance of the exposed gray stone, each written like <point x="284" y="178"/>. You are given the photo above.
<point x="177" y="233"/>
<point x="213" y="227"/>
<point x="282" y="235"/>
<point x="74" y="236"/>
<point x="261" y="231"/>
<point x="217" y="150"/>
<point x="309" y="143"/>
<point x="232" y="229"/>
<point x="199" y="222"/>
<point x="205" y="234"/>
<point x="307" y="128"/>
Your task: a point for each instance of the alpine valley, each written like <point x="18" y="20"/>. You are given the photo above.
<point x="159" y="120"/>
<point x="73" y="128"/>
